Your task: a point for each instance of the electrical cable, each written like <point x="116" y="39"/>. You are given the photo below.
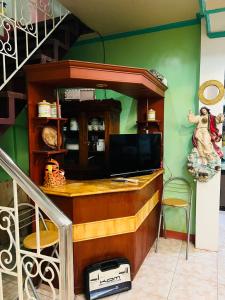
<point x="104" y="53"/>
<point x="103" y="45"/>
<point x="169" y="170"/>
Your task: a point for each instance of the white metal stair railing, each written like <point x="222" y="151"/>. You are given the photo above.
<point x="25" y="16"/>
<point x="20" y="263"/>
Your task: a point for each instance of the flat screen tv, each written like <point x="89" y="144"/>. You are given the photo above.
<point x="134" y="154"/>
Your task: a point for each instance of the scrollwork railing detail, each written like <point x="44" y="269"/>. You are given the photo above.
<point x="25" y="16"/>
<point x="35" y="268"/>
<point x="21" y="252"/>
<point x="7" y="257"/>
<point x="7" y="46"/>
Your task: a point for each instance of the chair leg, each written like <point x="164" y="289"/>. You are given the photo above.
<point x="160" y="220"/>
<point x="187" y="211"/>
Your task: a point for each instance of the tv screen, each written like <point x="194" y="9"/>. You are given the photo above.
<point x="134" y="154"/>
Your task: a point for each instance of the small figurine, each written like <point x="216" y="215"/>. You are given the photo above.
<point x="53" y="175"/>
<point x="204" y="160"/>
<point x="159" y="76"/>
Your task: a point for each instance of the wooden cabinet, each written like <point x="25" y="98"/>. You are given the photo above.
<point x="115" y="205"/>
<point x="44" y="79"/>
<point x="86" y="136"/>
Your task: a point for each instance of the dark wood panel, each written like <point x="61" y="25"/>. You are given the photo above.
<point x="145" y="236"/>
<point x="113" y="205"/>
<point x="83" y="209"/>
<point x="133" y="246"/>
<point x="89" y="252"/>
<point x="64" y="204"/>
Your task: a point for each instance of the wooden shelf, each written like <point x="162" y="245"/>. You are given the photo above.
<point x="150" y="121"/>
<point x="95" y="152"/>
<point x="46" y="119"/>
<point x="153" y="121"/>
<point x="49" y="152"/>
<point x="72" y="131"/>
<point x="149" y="125"/>
<point x="133" y="82"/>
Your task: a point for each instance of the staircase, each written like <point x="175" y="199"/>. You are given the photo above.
<point x="13" y="94"/>
<point x="24" y="266"/>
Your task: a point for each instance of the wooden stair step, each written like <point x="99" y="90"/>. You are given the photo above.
<point x="40" y="57"/>
<point x="56" y="42"/>
<point x="12" y="94"/>
<point x="9" y="109"/>
<point x="18" y="96"/>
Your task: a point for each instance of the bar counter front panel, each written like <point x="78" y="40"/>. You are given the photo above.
<point x="110" y="219"/>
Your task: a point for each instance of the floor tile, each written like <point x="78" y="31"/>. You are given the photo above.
<point x="138" y="295"/>
<point x="192" y="250"/>
<point x="192" y="288"/>
<point x="46" y="290"/>
<point x="154" y="282"/>
<point x="171" y="246"/>
<point x="221" y="291"/>
<point x="203" y="266"/>
<point x="165" y="262"/>
<point x="221" y="273"/>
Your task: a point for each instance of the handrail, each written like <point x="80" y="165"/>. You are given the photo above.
<point x="63" y="223"/>
<point x="32" y="190"/>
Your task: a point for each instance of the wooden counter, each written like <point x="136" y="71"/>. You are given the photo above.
<point x="111" y="219"/>
<point x="74" y="188"/>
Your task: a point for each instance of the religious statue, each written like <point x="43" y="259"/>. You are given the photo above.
<point x="205" y="158"/>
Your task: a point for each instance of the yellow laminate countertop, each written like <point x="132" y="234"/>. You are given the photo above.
<point x="74" y="188"/>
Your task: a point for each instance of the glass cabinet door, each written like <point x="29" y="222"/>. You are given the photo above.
<point x="96" y="141"/>
<point x="71" y="135"/>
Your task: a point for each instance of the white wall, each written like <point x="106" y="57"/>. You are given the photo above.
<point x="212" y="66"/>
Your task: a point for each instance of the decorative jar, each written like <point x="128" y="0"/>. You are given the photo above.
<point x="54" y="113"/>
<point x="151" y="115"/>
<point x="44" y="109"/>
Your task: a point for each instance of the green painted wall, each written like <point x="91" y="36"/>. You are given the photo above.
<point x="15" y="143"/>
<point x="176" y="54"/>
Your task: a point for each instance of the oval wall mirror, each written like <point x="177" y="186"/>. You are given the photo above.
<point x="211" y="92"/>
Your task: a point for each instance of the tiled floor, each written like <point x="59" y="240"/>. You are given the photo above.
<point x="167" y="274"/>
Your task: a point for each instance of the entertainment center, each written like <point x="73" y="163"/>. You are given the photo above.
<point x="111" y="219"/>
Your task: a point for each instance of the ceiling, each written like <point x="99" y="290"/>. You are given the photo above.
<point x="214" y="4"/>
<point x="114" y="16"/>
